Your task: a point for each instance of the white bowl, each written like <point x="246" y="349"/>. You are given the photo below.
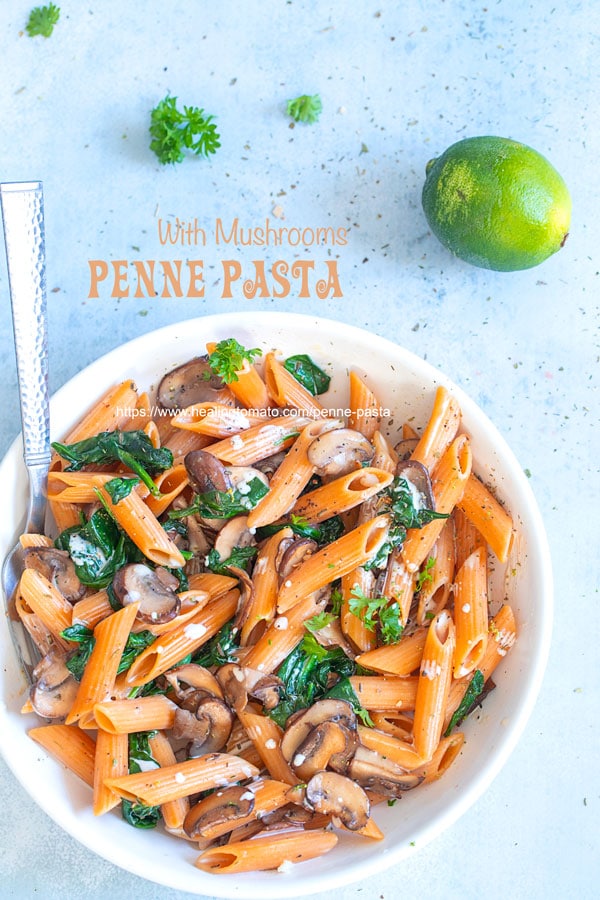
<point x="406" y="384"/>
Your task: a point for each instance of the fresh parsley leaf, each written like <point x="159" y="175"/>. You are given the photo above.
<point x="471" y="694"/>
<point x="319" y="621"/>
<point x="133" y="448"/>
<point x="374" y="611"/>
<point x="42" y="20"/>
<point x="425" y="574"/>
<point x="228" y="358"/>
<point x="240" y="558"/>
<point x="173" y="132"/>
<point x="224" y="504"/>
<point x="119" y="488"/>
<point x="305" y="108"/>
<point x="336" y="600"/>
<point x="308" y="373"/>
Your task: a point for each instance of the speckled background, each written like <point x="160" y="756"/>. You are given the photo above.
<point x="399" y="83"/>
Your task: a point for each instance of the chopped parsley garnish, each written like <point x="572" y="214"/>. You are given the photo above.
<point x="228" y="359"/>
<point x="306" y="108"/>
<point x="377" y="612"/>
<point x="426" y="574"/>
<point x="173" y="132"/>
<point x="42" y="20"/>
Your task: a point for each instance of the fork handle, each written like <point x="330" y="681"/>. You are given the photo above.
<point x="23" y="219"/>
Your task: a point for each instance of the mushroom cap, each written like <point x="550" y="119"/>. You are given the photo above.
<point x="336" y="795"/>
<point x="54" y="689"/>
<point x="327" y="710"/>
<point x="154" y="589"/>
<point x="193" y="382"/>
<point x="206" y="472"/>
<point x="58" y="567"/>
<point x="240" y="681"/>
<point x="206" y="723"/>
<point x="339" y="451"/>
<point x="219" y="812"/>
<point x="235" y="533"/>
<point x="328" y="745"/>
<point x="197" y="678"/>
<point x="378" y="773"/>
<point x="294" y="553"/>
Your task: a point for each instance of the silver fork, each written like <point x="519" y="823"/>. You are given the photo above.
<point x="23" y="217"/>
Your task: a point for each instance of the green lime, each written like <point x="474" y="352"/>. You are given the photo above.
<point x="496" y="203"/>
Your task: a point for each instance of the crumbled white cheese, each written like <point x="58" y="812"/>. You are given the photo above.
<point x="238" y="675"/>
<point x="286" y="866"/>
<point x="466" y="607"/>
<point x="270" y="743"/>
<point x="236" y="442"/>
<point x="288" y="583"/>
<point x="299" y="759"/>
<point x="179" y="777"/>
<point x="281" y="623"/>
<point x="194" y="630"/>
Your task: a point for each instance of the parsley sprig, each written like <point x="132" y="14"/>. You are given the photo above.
<point x="305" y="108"/>
<point x="42" y="20"/>
<point x="228" y="358"/>
<point x="377" y="612"/>
<point x="173" y="131"/>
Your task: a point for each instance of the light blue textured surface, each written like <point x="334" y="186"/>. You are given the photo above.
<point x="399" y="83"/>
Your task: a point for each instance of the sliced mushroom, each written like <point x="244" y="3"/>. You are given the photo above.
<point x="193" y="382"/>
<point x="340" y="451"/>
<point x="405" y="448"/>
<point x="336" y="795"/>
<point x="207" y="728"/>
<point x="270" y="464"/>
<point x="378" y="773"/>
<point x="54" y="688"/>
<point x="296" y="552"/>
<point x="298" y="728"/>
<point x="328" y="744"/>
<point x="58" y="568"/>
<point x="154" y="589"/>
<point x="234" y="534"/>
<point x="241" y="476"/>
<point x="417" y="477"/>
<point x="192" y="677"/>
<point x="219" y="812"/>
<point x="240" y="681"/>
<point x="331" y="635"/>
<point x="206" y="472"/>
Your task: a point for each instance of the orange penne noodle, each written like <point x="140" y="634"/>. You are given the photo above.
<point x="501" y="637"/>
<point x="267" y="852"/>
<point x="385" y="456"/>
<point x="333" y="561"/>
<point x="64" y="514"/>
<point x="341" y="494"/>
<point x="385" y="692"/>
<point x="353" y="626"/>
<point x="265" y="734"/>
<point x="263" y="607"/>
<point x="101" y="669"/>
<point x="168" y="649"/>
<point x="111" y="761"/>
<point x="202" y="773"/>
<point x="181" y="442"/>
<point x="291" y="477"/>
<point x="218" y="420"/>
<point x="139" y="714"/>
<point x="91" y="610"/>
<point x="491" y="519"/>
<point x="471" y="613"/>
<point x="365" y="409"/>
<point x="144" y="529"/>
<point x="437" y="575"/>
<point x="282" y="636"/>
<point x="170" y="484"/>
<point x="76" y="487"/>
<point x="69" y="745"/>
<point x="444" y="755"/>
<point x="258" y="442"/>
<point x="448" y="482"/>
<point x="285" y="390"/>
<point x="401" y="752"/>
<point x="212" y="584"/>
<point x="249" y="388"/>
<point x="433" y="685"/>
<point x="173" y="811"/>
<point x="440" y="431"/>
<point x="114" y="410"/>
<point x="467" y="538"/>
<point x="34" y="540"/>
<point x="42" y="598"/>
<point x="396" y="659"/>
<point x="399" y="583"/>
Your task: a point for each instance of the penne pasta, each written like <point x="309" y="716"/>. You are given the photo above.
<point x="248" y="387"/>
<point x="69" y="745"/>
<point x="267" y="852"/>
<point x="111" y="760"/>
<point x="342" y="494"/>
<point x="433" y="685"/>
<point x="172" y="811"/>
<point x="285" y="391"/>
<point x="365" y="409"/>
<point x="440" y="431"/>
<point x="142" y="526"/>
<point x="396" y="659"/>
<point x="139" y="714"/>
<point x="471" y="613"/>
<point x="486" y="514"/>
